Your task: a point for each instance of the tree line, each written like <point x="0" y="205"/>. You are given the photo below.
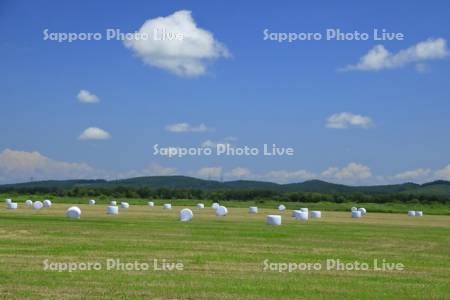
<point x="218" y="195"/>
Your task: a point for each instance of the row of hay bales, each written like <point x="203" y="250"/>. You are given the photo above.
<point x="186" y="214"/>
<point x="302" y="214"/>
<point x="28" y="203"/>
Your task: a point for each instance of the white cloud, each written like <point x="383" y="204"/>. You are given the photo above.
<point x="443" y="173"/>
<point x="285" y="175"/>
<point x="187" y="56"/>
<point x="346" y="119"/>
<point x="239" y="172"/>
<point x="378" y="58"/>
<point x="153" y="169"/>
<point x="413" y="174"/>
<point x="330" y="172"/>
<point x="210" y="172"/>
<point x="87" y="97"/>
<point x="213" y="144"/>
<point x="94" y="133"/>
<point x="353" y="171"/>
<point x="21" y="165"/>
<point x="186" y="127"/>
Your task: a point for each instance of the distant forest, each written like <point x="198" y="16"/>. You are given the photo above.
<point x="118" y="192"/>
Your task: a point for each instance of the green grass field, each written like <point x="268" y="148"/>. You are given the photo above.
<point x="223" y="258"/>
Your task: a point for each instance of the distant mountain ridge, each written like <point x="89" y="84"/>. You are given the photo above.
<point x="440" y="187"/>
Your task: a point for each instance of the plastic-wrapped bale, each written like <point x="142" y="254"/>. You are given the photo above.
<point x="301" y="215"/>
<point x="12" y="205"/>
<point x="112" y="210"/>
<point x="411" y="213"/>
<point x="113" y="203"/>
<point x="92" y="202"/>
<point x="47" y="203"/>
<point x="281" y="207"/>
<point x="273" y="220"/>
<point x="316" y="214"/>
<point x="419" y="213"/>
<point x="73" y="212"/>
<point x="363" y="211"/>
<point x="252" y="210"/>
<point x="28" y="203"/>
<point x="215" y="205"/>
<point x="221" y="211"/>
<point x="151" y="204"/>
<point x="167" y="206"/>
<point x="37" y="205"/>
<point x="124" y="205"/>
<point x="7" y="201"/>
<point x="354" y="208"/>
<point x="295" y="213"/>
<point x="200" y="205"/>
<point x="186" y="215"/>
<point x="356" y="214"/>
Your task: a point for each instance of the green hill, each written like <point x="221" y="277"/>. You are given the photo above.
<point x="437" y="188"/>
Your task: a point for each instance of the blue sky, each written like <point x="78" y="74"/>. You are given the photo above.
<point x="390" y="112"/>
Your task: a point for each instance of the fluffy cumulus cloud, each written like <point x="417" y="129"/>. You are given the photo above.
<point x="413" y="174"/>
<point x="186" y="55"/>
<point x="94" y="133"/>
<point x="443" y="173"/>
<point x="22" y="165"/>
<point x="87" y="97"/>
<point x="239" y="172"/>
<point x="210" y="172"/>
<point x="345" y="120"/>
<point x="379" y="58"/>
<point x="186" y="127"/>
<point x="352" y="172"/>
<point x="289" y="176"/>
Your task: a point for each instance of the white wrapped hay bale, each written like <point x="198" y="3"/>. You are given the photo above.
<point x="301" y="215"/>
<point x="7" y="201"/>
<point x="419" y="213"/>
<point x="124" y="205"/>
<point x="316" y="214"/>
<point x="151" y="203"/>
<point x="112" y="210"/>
<point x="12" y="205"/>
<point x="73" y="212"/>
<point x="113" y="203"/>
<point x="200" y="205"/>
<point x="411" y="213"/>
<point x="92" y="202"/>
<point x="167" y="206"/>
<point x="252" y="210"/>
<point x="356" y="214"/>
<point x="215" y="205"/>
<point x="221" y="211"/>
<point x="28" y="203"/>
<point x="363" y="211"/>
<point x="273" y="220"/>
<point x="354" y="208"/>
<point x="38" y="205"/>
<point x="47" y="203"/>
<point x="281" y="207"/>
<point x="186" y="215"/>
<point x="296" y="212"/>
